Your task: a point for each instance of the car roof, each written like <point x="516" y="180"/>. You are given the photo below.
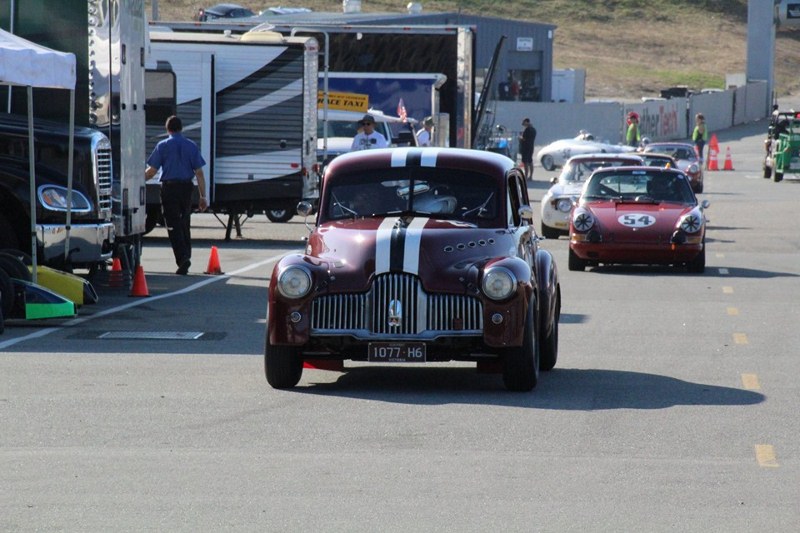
<point x="482" y="161"/>
<point x="632" y="156"/>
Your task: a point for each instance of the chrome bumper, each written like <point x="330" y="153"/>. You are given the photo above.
<point x="88" y="243"/>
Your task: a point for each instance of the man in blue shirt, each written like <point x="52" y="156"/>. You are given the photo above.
<point x="180" y="161"/>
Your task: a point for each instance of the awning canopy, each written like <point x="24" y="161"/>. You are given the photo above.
<point x="25" y="63"/>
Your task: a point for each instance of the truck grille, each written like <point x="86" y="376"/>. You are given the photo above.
<point x="396" y="305"/>
<point x="104" y="181"/>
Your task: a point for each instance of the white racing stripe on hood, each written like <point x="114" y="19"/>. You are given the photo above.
<point x="399" y="156"/>
<point x="383" y="245"/>
<point x="412" y="245"/>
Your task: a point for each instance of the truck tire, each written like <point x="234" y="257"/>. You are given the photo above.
<point x="7" y="294"/>
<point x="14" y="267"/>
<point x="8" y="238"/>
<point x="284" y="214"/>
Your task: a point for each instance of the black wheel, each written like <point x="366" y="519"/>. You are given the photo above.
<point x="698" y="264"/>
<point x="14" y="267"/>
<point x="699" y="188"/>
<point x="575" y="263"/>
<point x="19" y="254"/>
<point x="550" y="233"/>
<point x="777" y="177"/>
<point x="521" y="365"/>
<point x="8" y="238"/>
<point x="281" y="215"/>
<point x="548" y="163"/>
<point x="7" y="294"/>
<point x="548" y="352"/>
<point x="283" y="366"/>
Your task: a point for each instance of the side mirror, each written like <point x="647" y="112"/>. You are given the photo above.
<point x="526" y="213"/>
<point x="554" y="180"/>
<point x="705" y="204"/>
<point x="304" y="208"/>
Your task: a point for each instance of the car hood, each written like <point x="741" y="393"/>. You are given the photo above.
<point x="443" y="253"/>
<point x="571" y="188"/>
<point x="637" y="221"/>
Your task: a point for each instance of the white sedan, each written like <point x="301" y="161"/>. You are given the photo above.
<point x="558" y="201"/>
<point x="557" y="153"/>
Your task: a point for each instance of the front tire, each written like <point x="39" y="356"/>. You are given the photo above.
<point x="550" y="233"/>
<point x="283" y="366"/>
<point x="548" y="163"/>
<point x="548" y="352"/>
<point x="575" y="263"/>
<point x="521" y="365"/>
<point x="698" y="264"/>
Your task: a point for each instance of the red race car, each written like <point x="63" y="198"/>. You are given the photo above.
<point x="638" y="215"/>
<point x="417" y="255"/>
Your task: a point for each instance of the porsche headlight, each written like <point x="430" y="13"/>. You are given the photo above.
<point x="692" y="222"/>
<point x="564" y="205"/>
<point x="294" y="282"/>
<point x="693" y="169"/>
<point x="54" y="198"/>
<point x="582" y="220"/>
<point x="498" y="283"/>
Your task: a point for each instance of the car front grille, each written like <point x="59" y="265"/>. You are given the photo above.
<point x="397" y="306"/>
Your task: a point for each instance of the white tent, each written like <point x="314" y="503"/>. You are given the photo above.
<point x="27" y="64"/>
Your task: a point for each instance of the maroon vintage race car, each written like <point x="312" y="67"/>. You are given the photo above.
<point x="638" y="215"/>
<point x="418" y="255"/>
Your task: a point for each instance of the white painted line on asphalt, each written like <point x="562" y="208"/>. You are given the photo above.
<point x="113" y="310"/>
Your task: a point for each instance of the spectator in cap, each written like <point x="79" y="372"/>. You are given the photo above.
<point x="424" y="136"/>
<point x="367" y="138"/>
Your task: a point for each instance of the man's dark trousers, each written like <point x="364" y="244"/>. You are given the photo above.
<point x="176" y="201"/>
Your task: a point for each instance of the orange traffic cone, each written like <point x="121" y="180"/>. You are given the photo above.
<point x="116" y="278"/>
<point x="712" y="159"/>
<point x="213" y="263"/>
<point x="139" y="283"/>
<point x="728" y="161"/>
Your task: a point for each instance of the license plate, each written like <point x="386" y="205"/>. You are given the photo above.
<point x="396" y="352"/>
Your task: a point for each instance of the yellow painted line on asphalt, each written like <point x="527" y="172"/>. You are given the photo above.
<point x="727" y="290"/>
<point x="733" y="311"/>
<point x="724" y="271"/>
<point x="765" y="455"/>
<point x="750" y="382"/>
<point x="740" y="338"/>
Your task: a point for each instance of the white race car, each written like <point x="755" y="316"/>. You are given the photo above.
<point x="557" y="153"/>
<point x="558" y="201"/>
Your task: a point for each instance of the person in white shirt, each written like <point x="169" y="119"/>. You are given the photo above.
<point x="425" y="135"/>
<point x="367" y="137"/>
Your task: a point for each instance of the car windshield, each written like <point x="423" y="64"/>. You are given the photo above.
<point x="656" y="160"/>
<point x="640" y="186"/>
<point x="685" y="153"/>
<point x="338" y="128"/>
<point x="436" y="192"/>
<point x="580" y="170"/>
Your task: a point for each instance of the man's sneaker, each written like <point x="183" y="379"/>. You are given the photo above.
<point x="184" y="268"/>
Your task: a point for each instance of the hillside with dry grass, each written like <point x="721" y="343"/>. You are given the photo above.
<point x="629" y="48"/>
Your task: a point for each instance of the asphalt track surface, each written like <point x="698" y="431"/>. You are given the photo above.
<point x="673" y="406"/>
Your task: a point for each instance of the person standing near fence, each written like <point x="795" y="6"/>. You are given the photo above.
<point x="700" y="135"/>
<point x="633" y="137"/>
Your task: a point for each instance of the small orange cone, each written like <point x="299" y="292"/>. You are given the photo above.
<point x="712" y="159"/>
<point x="139" y="283"/>
<point x="728" y="161"/>
<point x="116" y="278"/>
<point x="213" y="263"/>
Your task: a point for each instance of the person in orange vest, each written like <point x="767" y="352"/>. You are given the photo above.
<point x="700" y="134"/>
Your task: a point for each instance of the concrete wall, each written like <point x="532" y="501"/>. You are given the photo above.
<point x="661" y="120"/>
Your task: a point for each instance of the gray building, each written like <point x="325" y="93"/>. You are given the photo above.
<point x="525" y="64"/>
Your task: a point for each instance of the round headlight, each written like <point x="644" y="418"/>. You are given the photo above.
<point x="564" y="205"/>
<point x="693" y="169"/>
<point x="294" y="282"/>
<point x="498" y="283"/>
